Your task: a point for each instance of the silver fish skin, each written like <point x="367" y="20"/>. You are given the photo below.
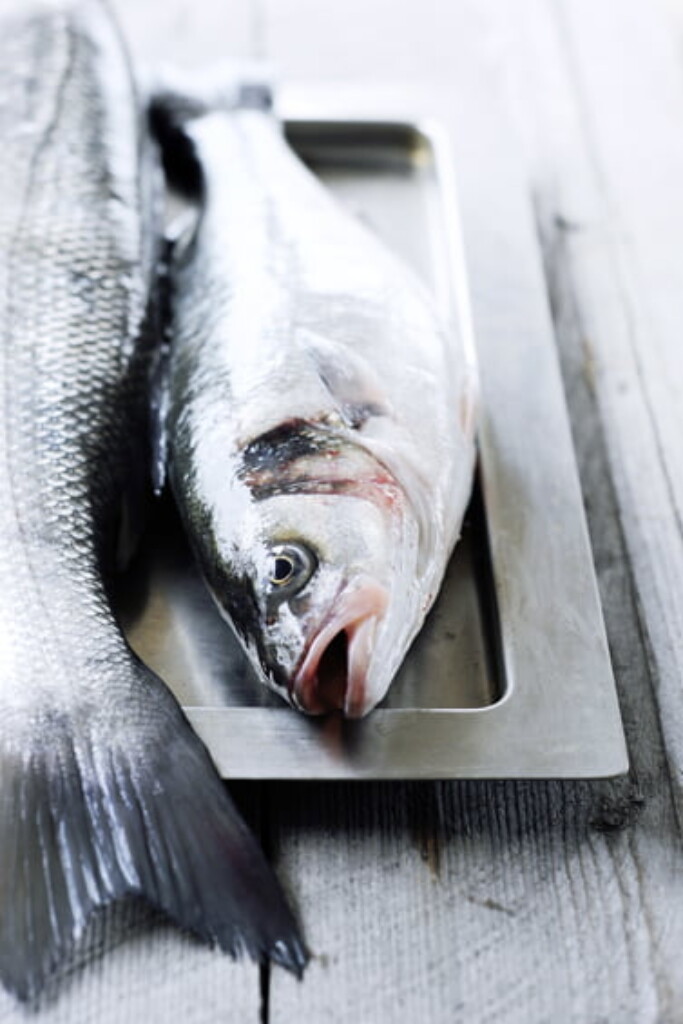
<point x="321" y="423"/>
<point x="105" y="791"/>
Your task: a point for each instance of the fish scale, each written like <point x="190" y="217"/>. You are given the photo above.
<point x="105" y="791"/>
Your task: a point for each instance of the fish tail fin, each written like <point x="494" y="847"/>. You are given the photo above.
<point x="84" y="824"/>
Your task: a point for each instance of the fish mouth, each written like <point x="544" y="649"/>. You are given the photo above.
<point x="333" y="672"/>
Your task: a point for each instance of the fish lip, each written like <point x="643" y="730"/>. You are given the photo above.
<point x="356" y="611"/>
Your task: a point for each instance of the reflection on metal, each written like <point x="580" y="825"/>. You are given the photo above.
<point x="510" y="676"/>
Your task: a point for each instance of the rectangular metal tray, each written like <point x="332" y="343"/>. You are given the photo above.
<point x="510" y="676"/>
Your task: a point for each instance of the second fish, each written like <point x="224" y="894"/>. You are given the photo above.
<point x="320" y="421"/>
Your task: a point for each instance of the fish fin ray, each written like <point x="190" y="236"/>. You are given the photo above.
<point x="84" y="827"/>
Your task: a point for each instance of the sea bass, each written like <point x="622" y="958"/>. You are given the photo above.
<point x="105" y="791"/>
<point x="320" y="424"/>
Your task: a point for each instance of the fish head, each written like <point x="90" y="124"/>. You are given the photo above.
<point x="320" y="589"/>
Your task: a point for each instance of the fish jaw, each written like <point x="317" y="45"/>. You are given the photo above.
<point x="334" y="672"/>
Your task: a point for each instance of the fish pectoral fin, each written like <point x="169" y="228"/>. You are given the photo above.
<point x="85" y="824"/>
<point x="350" y="380"/>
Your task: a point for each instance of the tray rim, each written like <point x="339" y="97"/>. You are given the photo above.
<point x="442" y="743"/>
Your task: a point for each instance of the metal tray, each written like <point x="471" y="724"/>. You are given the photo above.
<point x="510" y="676"/>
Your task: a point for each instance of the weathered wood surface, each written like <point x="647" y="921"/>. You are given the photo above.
<point x="551" y="901"/>
<point x="501" y="902"/>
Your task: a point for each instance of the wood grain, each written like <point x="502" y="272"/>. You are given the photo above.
<point x="133" y="967"/>
<point x="607" y="178"/>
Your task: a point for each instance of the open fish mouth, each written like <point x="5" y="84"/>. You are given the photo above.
<point x="333" y="673"/>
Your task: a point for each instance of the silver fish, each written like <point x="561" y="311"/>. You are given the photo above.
<point x="105" y="791"/>
<point x="320" y="426"/>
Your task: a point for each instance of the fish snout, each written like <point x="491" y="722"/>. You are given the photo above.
<point x="333" y="673"/>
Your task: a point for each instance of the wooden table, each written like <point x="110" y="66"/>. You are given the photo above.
<point x="497" y="902"/>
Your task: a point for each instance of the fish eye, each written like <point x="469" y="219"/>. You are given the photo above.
<point x="283" y="570"/>
<point x="290" y="566"/>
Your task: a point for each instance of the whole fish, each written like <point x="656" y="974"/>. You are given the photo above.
<point x="320" y="425"/>
<point x="105" y="791"/>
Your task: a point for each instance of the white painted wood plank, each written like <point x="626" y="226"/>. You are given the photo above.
<point x="189" y="35"/>
<point x="606" y="151"/>
<point x="673" y="10"/>
<point x="380" y="41"/>
<point x="604" y="148"/>
<point x="134" y="970"/>
<point x="542" y="907"/>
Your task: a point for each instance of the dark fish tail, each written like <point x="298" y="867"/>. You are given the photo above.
<point x="88" y="820"/>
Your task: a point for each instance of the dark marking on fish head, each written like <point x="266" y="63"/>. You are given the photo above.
<point x="288" y="458"/>
<point x="237" y="595"/>
<point x="285" y="589"/>
<point x="289" y="442"/>
<point x="257" y="591"/>
<point x="317" y="457"/>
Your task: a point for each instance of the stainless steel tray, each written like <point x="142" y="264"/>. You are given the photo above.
<point x="510" y="676"/>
